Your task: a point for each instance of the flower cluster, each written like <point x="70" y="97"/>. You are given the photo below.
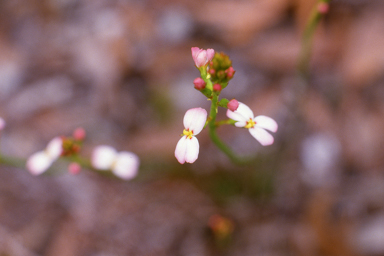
<point x="124" y="164"/>
<point x="215" y="73"/>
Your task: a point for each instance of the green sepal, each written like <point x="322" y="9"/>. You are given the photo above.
<point x="223" y="103"/>
<point x="206" y="92"/>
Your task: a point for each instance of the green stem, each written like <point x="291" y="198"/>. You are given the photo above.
<point x="306" y="48"/>
<point x="215" y="138"/>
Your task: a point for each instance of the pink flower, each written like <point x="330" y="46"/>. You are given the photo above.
<point x="201" y="57"/>
<point x="40" y="161"/>
<point x="123" y="164"/>
<point x="187" y="149"/>
<point x="257" y="126"/>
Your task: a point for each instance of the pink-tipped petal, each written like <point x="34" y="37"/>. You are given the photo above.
<point x="196" y="55"/>
<point x="38" y="163"/>
<point x="126" y="165"/>
<point x="261" y="135"/>
<point x="192" y="151"/>
<point x="210" y="54"/>
<point x="103" y="157"/>
<point x="201" y="58"/>
<point x="54" y="148"/>
<point x="266" y="122"/>
<point x="181" y="149"/>
<point x="194" y="120"/>
<point x="195" y="51"/>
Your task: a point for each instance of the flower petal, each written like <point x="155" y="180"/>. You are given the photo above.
<point x="241" y="123"/>
<point x="201" y="58"/>
<point x="38" y="163"/>
<point x="126" y="165"/>
<point x="266" y="122"/>
<point x="261" y="135"/>
<point x="245" y="111"/>
<point x="103" y="157"/>
<point x="181" y="149"/>
<point x="54" y="148"/>
<point x="210" y="54"/>
<point x="192" y="151"/>
<point x="196" y="51"/>
<point x="194" y="120"/>
<point x="242" y="114"/>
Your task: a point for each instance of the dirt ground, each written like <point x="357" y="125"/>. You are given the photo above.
<point x="122" y="70"/>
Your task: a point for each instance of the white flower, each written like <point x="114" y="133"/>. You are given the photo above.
<point x="40" y="161"/>
<point x="257" y="126"/>
<point x="187" y="149"/>
<point x="123" y="164"/>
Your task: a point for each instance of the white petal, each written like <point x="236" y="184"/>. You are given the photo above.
<point x="103" y="157"/>
<point x="54" y="148"/>
<point x="261" y="135"/>
<point x="242" y="114"/>
<point x="192" y="150"/>
<point x="266" y="123"/>
<point x="126" y="165"/>
<point x="181" y="149"/>
<point x="245" y="111"/>
<point x="194" y="120"/>
<point x="241" y="124"/>
<point x="38" y="163"/>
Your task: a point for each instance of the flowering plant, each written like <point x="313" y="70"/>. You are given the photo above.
<point x="215" y="72"/>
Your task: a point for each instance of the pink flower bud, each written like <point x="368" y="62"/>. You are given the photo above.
<point x="230" y="72"/>
<point x="79" y="133"/>
<point x="216" y="87"/>
<point x="199" y="83"/>
<point x="233" y="105"/>
<point x="323" y="7"/>
<point x="74" y="168"/>
<point x="201" y="57"/>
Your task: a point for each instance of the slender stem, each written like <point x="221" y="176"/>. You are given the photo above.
<point x="215" y="138"/>
<point x="306" y="48"/>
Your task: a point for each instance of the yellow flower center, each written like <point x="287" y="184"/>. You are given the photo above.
<point x="188" y="133"/>
<point x="250" y="123"/>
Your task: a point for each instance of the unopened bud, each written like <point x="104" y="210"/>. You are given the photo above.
<point x="74" y="168"/>
<point x="323" y="7"/>
<point x="230" y="72"/>
<point x="199" y="83"/>
<point x="217" y="87"/>
<point x="233" y="105"/>
<point x="79" y="134"/>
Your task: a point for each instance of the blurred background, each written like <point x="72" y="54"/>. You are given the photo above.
<point x="122" y="69"/>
